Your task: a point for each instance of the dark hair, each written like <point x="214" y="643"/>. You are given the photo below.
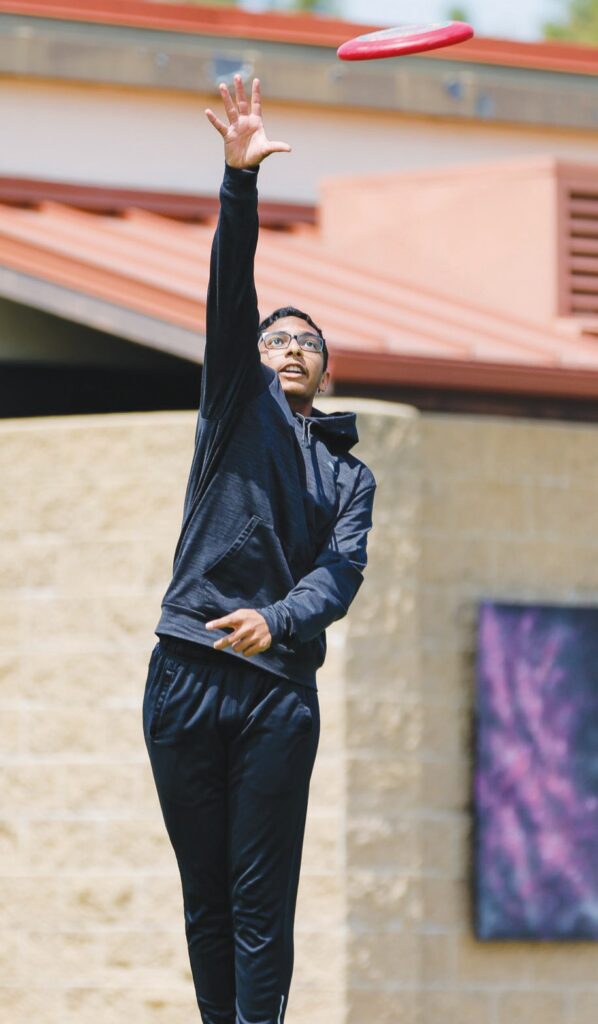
<point x="278" y="314"/>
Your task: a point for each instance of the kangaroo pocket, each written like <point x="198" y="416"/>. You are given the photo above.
<point x="252" y="570"/>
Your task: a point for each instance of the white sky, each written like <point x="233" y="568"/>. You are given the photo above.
<point x="512" y="19"/>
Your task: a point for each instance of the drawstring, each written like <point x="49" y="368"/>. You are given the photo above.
<point x="306" y="429"/>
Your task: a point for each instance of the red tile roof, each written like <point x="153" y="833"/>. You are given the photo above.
<point x="295" y="28"/>
<point x="381" y="329"/>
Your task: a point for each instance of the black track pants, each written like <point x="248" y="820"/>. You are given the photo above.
<point x="232" y="749"/>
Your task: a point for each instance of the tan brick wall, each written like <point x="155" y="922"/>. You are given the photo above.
<point x="383" y="727"/>
<point x="509" y="511"/>
<point x="90" y="894"/>
<point x="468" y="508"/>
<point x="91" y="913"/>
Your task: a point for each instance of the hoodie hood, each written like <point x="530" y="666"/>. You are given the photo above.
<point x="338" y="430"/>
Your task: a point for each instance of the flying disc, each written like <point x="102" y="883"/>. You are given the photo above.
<point x="404" y="39"/>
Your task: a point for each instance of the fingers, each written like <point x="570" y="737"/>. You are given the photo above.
<point x="256" y="97"/>
<point x="226" y="622"/>
<point x="278" y="147"/>
<point x="228" y="641"/>
<point x="243" y="638"/>
<point x="229" y="622"/>
<point x="242" y="103"/>
<point x="229" y="106"/>
<point x="238" y="640"/>
<point x="218" y="124"/>
<point x="257" y="648"/>
<point x="240" y="96"/>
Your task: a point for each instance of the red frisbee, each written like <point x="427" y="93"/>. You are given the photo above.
<point x="404" y="39"/>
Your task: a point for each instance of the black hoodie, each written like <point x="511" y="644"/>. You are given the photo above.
<point x="276" y="510"/>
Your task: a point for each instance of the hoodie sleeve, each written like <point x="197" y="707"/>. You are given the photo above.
<point x="325" y="593"/>
<point x="231" y="360"/>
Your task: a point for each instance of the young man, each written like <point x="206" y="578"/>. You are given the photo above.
<point x="271" y="551"/>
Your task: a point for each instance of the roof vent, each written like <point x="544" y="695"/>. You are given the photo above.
<point x="581" y="252"/>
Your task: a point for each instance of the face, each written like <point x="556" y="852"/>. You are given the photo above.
<point x="300" y="371"/>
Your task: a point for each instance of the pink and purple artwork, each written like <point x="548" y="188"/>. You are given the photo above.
<point x="536" y="774"/>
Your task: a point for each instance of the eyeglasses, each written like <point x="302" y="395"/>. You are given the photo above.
<point x="280" y="340"/>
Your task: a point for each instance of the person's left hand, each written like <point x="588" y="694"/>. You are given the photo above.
<point x="250" y="633"/>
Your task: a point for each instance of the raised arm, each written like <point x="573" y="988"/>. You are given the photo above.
<point x="231" y="360"/>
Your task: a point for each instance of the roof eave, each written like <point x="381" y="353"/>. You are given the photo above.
<point x="396" y="370"/>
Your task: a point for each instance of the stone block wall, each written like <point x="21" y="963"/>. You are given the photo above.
<point x="383" y="725"/>
<point x="91" y="928"/>
<point x="90" y="905"/>
<point x="509" y="510"/>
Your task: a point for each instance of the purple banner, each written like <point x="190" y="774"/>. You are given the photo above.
<point x="536" y="772"/>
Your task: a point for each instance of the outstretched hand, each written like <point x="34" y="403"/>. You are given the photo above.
<point x="245" y="141"/>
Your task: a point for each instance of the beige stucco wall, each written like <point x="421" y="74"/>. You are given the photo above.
<point x="90" y="902"/>
<point x="148" y="139"/>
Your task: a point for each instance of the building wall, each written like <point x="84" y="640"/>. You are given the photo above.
<point x="508" y="512"/>
<point x="502" y="220"/>
<point x="91" y="905"/>
<point x="159" y="140"/>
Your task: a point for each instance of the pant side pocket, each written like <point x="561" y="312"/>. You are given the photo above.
<point x="166" y="680"/>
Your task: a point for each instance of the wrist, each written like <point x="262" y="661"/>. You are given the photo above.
<point x="278" y="621"/>
<point x="242" y="171"/>
<point x="240" y="181"/>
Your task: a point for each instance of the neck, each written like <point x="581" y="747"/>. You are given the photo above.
<point x="301" y="405"/>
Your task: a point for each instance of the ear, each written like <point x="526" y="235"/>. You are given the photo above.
<point x="324" y="382"/>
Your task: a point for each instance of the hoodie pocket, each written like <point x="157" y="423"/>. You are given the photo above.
<point x="252" y="568"/>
